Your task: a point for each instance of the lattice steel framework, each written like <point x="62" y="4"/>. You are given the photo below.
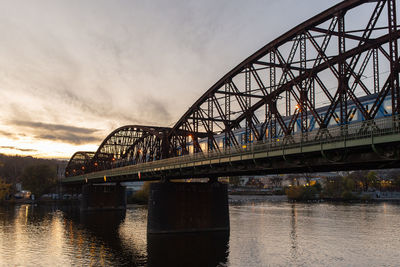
<point x="127" y="145"/>
<point x="311" y="77"/>
<point x="330" y="61"/>
<point x="79" y="163"/>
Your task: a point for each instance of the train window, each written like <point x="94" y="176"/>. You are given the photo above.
<point x="387" y="107"/>
<point x="203" y="146"/>
<point x="243" y="138"/>
<point x="335" y="119"/>
<point x="211" y="144"/>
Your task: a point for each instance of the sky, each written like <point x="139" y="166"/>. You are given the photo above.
<point x="71" y="71"/>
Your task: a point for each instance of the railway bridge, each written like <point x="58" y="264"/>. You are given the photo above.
<point x="323" y="96"/>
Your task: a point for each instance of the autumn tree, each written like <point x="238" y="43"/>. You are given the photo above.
<point x="5" y="189"/>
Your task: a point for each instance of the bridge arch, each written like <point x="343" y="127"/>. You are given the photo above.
<point x="325" y="71"/>
<point x="131" y="144"/>
<point x="331" y="70"/>
<point x="78" y="163"/>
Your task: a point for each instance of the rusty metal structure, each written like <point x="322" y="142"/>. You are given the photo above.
<point x="78" y="163"/>
<point x="318" y="75"/>
<point x="320" y="63"/>
<point x="127" y="145"/>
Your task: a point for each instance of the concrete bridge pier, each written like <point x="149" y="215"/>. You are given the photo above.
<point x="103" y="197"/>
<point x="187" y="207"/>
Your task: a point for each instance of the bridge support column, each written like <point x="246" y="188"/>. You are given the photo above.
<point x="103" y="197"/>
<point x="187" y="207"/>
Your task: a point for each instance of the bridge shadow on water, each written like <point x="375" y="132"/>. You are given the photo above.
<point x="103" y="227"/>
<point x="194" y="249"/>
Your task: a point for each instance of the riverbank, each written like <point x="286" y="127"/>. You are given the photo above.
<point x="39" y="202"/>
<point x="237" y="199"/>
<point x="241" y="199"/>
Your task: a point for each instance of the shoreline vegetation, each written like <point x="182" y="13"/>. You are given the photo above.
<point x="360" y="186"/>
<point x="39" y="177"/>
<point x="141" y="196"/>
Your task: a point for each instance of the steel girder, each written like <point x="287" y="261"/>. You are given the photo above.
<point x="310" y="77"/>
<point x="131" y="144"/>
<point x="311" y="73"/>
<point x="78" y="163"/>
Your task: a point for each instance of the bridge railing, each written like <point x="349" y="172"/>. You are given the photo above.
<point x="377" y="127"/>
<point x="365" y="129"/>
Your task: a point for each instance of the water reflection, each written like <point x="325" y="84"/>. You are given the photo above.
<point x="194" y="249"/>
<point x="293" y="232"/>
<point x="267" y="234"/>
<point x="106" y="246"/>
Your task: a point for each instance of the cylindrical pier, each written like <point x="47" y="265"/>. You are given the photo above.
<point x="187" y="207"/>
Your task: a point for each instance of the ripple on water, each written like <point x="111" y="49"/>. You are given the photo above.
<point x="263" y="233"/>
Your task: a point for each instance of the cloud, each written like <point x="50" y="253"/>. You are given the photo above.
<point x="59" y="132"/>
<point x="19" y="149"/>
<point x="53" y="127"/>
<point x="70" y="138"/>
<point x="102" y="64"/>
<point x="7" y="134"/>
<point x="103" y="110"/>
<point x="158" y="110"/>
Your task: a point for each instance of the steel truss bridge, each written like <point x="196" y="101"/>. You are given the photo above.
<point x="323" y="96"/>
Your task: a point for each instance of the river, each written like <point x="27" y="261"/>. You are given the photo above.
<point x="263" y="233"/>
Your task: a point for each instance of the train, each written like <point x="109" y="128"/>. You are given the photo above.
<point x="244" y="139"/>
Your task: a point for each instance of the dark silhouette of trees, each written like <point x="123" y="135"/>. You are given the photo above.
<point x="12" y="167"/>
<point x="5" y="189"/>
<point x="276" y="181"/>
<point x="39" y="179"/>
<point x="234" y="180"/>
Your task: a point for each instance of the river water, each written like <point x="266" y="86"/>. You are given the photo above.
<point x="263" y="233"/>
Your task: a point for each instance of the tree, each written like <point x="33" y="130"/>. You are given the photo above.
<point x="333" y="187"/>
<point x="372" y="179"/>
<point x="234" y="180"/>
<point x="141" y="196"/>
<point x="276" y="181"/>
<point x="348" y="183"/>
<point x="39" y="179"/>
<point x="361" y="178"/>
<point x="5" y="189"/>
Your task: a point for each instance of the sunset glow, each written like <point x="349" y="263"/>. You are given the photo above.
<point x="73" y="71"/>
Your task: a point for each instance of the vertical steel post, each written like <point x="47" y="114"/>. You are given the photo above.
<point x="343" y="79"/>
<point x="393" y="52"/>
<point x="210" y="144"/>
<point x="375" y="61"/>
<point x="227" y="113"/>
<point x="247" y="102"/>
<point x="303" y="87"/>
<point x="272" y="110"/>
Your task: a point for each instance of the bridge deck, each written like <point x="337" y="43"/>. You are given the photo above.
<point x="336" y="146"/>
